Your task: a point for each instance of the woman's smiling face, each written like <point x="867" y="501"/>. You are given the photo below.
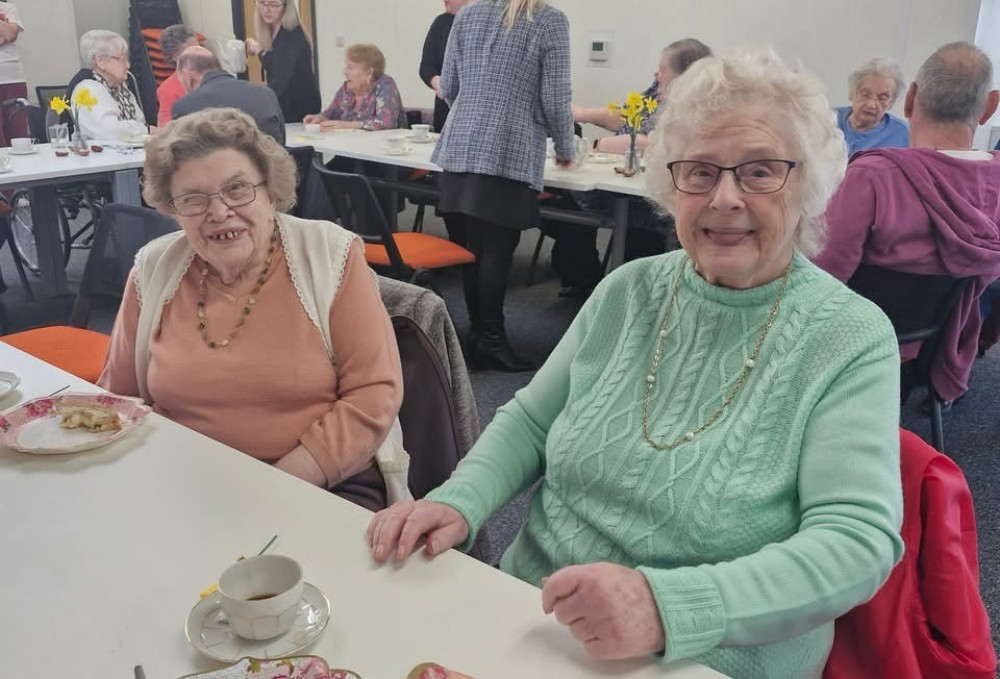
<point x="736" y="239"/>
<point x="231" y="240"/>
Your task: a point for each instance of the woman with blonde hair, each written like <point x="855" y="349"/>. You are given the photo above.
<point x="285" y="52"/>
<point x="506" y="76"/>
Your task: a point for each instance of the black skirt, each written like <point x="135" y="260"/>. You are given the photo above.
<point x="492" y="199"/>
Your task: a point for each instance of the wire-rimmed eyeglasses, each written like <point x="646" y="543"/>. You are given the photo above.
<point x="756" y="176"/>
<point x="236" y="194"/>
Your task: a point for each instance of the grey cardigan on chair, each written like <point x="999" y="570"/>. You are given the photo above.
<point x="508" y="90"/>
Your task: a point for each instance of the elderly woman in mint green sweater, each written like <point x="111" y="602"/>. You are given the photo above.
<point x="716" y="435"/>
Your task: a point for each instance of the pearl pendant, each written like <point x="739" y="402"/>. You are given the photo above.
<point x="750" y="363"/>
<point x="650" y="379"/>
<point x="689" y="436"/>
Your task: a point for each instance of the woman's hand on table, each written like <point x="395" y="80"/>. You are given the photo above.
<point x="398" y="528"/>
<point x="565" y="162"/>
<point x="339" y="125"/>
<point x="610" y="608"/>
<point x="313" y="118"/>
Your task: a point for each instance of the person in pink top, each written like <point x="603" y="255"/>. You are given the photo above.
<point x="260" y="330"/>
<point x="933" y="208"/>
<point x="173" y="40"/>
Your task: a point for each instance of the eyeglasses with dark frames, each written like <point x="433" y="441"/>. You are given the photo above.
<point x="236" y="194"/>
<point x="754" y="177"/>
<point x="271" y="5"/>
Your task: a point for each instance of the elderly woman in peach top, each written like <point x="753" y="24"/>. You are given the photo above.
<point x="263" y="331"/>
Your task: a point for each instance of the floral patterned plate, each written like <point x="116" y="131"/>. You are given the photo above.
<point x="301" y="667"/>
<point x="35" y="426"/>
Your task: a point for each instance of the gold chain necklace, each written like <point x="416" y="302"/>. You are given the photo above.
<point x="245" y="313"/>
<point x="747" y="367"/>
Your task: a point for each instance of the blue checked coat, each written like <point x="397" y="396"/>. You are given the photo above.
<point x="508" y="91"/>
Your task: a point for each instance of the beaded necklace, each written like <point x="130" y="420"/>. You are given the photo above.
<point x="245" y="313"/>
<point x="747" y="367"/>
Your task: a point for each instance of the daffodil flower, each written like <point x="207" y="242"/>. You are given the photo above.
<point x="83" y="98"/>
<point x="59" y="104"/>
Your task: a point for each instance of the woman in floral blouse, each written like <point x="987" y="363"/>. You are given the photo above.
<point x="368" y="100"/>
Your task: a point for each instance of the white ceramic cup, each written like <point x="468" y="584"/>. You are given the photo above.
<point x="22" y="144"/>
<point x="4" y="161"/>
<point x="395" y="144"/>
<point x="276" y="578"/>
<point x="421" y="131"/>
<point x="313" y="128"/>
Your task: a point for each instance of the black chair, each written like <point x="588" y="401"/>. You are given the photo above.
<point x="120" y="233"/>
<point x="410" y="256"/>
<point x="919" y="307"/>
<point x="45" y="93"/>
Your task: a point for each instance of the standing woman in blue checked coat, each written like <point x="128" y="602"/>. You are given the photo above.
<point x="506" y="76"/>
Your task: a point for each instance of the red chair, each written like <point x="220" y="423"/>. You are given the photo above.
<point x="928" y="619"/>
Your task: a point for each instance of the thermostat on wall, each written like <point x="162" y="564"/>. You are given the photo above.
<point x="599" y="50"/>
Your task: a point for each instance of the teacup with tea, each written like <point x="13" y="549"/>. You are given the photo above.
<point x="260" y="595"/>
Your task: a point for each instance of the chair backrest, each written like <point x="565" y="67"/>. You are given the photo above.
<point x="918" y="305"/>
<point x="46" y="92"/>
<point x="118" y="236"/>
<point x="359" y="211"/>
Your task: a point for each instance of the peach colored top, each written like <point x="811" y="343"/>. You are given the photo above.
<point x="273" y="387"/>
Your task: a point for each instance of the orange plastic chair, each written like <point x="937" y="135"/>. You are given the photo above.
<point x="78" y="351"/>
<point x="404" y="255"/>
<point x="73" y="347"/>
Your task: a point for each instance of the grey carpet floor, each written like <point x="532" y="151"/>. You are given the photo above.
<point x="536" y="319"/>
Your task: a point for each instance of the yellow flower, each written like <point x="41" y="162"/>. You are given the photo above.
<point x="652" y="105"/>
<point x="84" y="98"/>
<point x="59" y="105"/>
<point x="633" y="100"/>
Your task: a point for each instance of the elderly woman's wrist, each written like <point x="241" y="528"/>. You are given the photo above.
<point x="690" y="608"/>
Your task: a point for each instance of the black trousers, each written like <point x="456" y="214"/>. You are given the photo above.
<point x="485" y="281"/>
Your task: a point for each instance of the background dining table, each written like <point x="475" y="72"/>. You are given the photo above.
<point x="365" y="146"/>
<point x="105" y="552"/>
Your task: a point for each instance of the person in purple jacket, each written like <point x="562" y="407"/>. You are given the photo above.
<point x="933" y="208"/>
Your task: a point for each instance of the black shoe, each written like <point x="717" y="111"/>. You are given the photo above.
<point x="576" y="291"/>
<point x="491" y="351"/>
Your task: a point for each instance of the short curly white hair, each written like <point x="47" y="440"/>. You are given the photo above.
<point x="716" y="87"/>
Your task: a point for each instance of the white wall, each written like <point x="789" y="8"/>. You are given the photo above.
<point x="829" y="38"/>
<point x="48" y="45"/>
<point x="111" y="15"/>
<point x="211" y="18"/>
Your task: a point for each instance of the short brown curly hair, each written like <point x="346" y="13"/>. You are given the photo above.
<point x="198" y="134"/>
<point x="367" y="55"/>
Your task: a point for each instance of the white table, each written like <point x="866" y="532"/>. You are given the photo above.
<point x="42" y="170"/>
<point x="104" y="553"/>
<point x="370" y="146"/>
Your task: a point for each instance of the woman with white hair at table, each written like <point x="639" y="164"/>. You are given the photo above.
<point x="115" y="113"/>
<point x="867" y="123"/>
<point x="716" y="435"/>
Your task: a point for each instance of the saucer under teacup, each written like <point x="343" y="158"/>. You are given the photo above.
<point x="208" y="630"/>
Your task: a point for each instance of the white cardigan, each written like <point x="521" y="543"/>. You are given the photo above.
<point x="316" y="253"/>
<point x="102" y="123"/>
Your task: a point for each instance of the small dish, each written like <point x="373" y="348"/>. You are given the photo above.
<point x="8" y="382"/>
<point x="21" y="152"/>
<point x="398" y="152"/>
<point x="36" y="427"/>
<point x="208" y="630"/>
<point x="429" y="139"/>
<point x="300" y="667"/>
